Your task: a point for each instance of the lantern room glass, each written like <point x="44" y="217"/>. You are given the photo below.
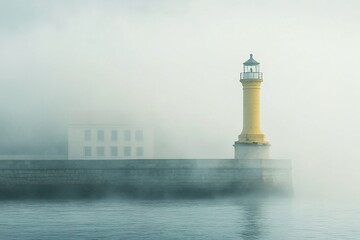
<point x="252" y="68"/>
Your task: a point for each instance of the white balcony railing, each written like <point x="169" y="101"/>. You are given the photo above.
<point x="251" y="75"/>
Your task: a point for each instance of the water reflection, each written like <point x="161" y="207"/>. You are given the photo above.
<point x="251" y="222"/>
<point x="234" y="218"/>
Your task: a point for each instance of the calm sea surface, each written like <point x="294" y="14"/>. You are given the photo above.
<point x="230" y="218"/>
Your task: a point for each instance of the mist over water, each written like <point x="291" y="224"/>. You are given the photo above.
<point x="224" y="218"/>
<point x="175" y="65"/>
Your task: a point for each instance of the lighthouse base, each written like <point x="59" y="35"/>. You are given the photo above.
<point x="251" y="151"/>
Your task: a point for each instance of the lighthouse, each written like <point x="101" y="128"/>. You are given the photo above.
<point x="251" y="143"/>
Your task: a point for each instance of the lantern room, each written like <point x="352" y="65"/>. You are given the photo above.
<point x="251" y="70"/>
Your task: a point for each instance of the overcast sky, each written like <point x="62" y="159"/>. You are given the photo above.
<point x="177" y="63"/>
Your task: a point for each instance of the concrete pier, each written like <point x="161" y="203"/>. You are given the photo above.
<point x="143" y="178"/>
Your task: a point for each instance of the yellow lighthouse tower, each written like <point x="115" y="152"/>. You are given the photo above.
<point x="251" y="143"/>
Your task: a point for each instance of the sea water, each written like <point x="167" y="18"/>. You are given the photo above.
<point x="216" y="218"/>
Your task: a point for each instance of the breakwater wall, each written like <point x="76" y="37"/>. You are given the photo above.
<point x="149" y="177"/>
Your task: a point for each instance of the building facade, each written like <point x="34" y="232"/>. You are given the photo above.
<point x="114" y="141"/>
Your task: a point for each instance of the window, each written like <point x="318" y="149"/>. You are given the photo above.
<point x="114" y="151"/>
<point x="100" y="151"/>
<point x="114" y="135"/>
<point x="139" y="151"/>
<point x="100" y="135"/>
<point x="87" y="135"/>
<point x="87" y="151"/>
<point x="127" y="135"/>
<point x="139" y="135"/>
<point x="127" y="151"/>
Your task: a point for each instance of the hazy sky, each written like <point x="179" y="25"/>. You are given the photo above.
<point x="177" y="63"/>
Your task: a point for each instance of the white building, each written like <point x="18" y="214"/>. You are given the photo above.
<point x="90" y="140"/>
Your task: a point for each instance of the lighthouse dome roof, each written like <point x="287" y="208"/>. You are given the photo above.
<point x="251" y="61"/>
